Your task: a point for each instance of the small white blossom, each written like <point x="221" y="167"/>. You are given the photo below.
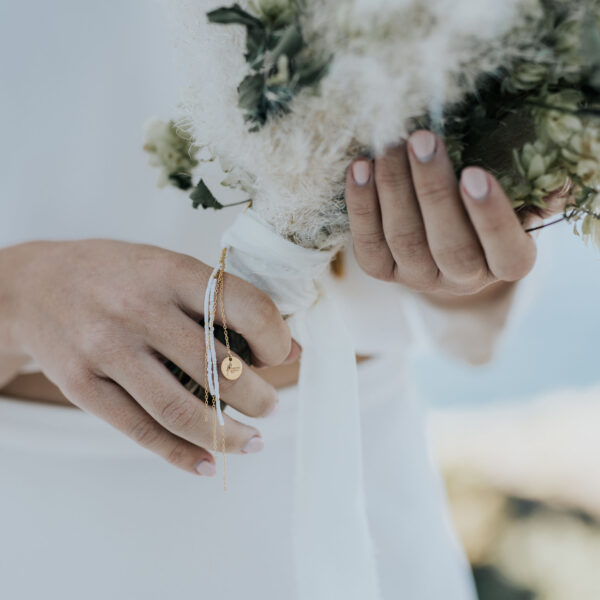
<point x="170" y="151"/>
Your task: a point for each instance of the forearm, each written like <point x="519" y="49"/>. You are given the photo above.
<point x="469" y="327"/>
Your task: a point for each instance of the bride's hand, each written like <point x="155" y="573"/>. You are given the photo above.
<point x="413" y="223"/>
<point x="98" y="317"/>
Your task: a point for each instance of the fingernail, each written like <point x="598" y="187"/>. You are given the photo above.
<point x="475" y="182"/>
<point x="423" y="145"/>
<point x="361" y="172"/>
<point x="294" y="354"/>
<point x="206" y="468"/>
<point x="253" y="445"/>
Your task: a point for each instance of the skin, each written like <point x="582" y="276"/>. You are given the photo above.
<point x="98" y="316"/>
<point x="413" y="223"/>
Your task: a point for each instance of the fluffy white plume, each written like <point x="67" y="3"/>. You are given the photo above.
<point x="392" y="60"/>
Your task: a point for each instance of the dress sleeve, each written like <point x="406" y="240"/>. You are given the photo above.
<point x="469" y="333"/>
<point x="387" y="317"/>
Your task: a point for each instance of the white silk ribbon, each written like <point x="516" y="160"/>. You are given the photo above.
<point x="333" y="551"/>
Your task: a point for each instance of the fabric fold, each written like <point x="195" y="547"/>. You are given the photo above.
<point x="333" y="550"/>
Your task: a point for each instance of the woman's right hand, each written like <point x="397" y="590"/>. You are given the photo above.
<point x="99" y="317"/>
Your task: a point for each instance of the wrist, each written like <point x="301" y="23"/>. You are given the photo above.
<point x="489" y="295"/>
<point x="15" y="262"/>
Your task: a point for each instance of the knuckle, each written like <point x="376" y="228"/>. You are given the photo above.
<point x="76" y="380"/>
<point x="371" y="242"/>
<point x="129" y="303"/>
<point x="177" y="414"/>
<point x="408" y="244"/>
<point x="424" y="282"/>
<point x="145" y="432"/>
<point x="465" y="260"/>
<point x="362" y="205"/>
<point x="264" y="312"/>
<point x="101" y="342"/>
<point x="393" y="175"/>
<point x="264" y="406"/>
<point x="378" y="269"/>
<point x="432" y="191"/>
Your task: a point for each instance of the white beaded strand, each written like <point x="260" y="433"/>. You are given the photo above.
<point x="209" y="340"/>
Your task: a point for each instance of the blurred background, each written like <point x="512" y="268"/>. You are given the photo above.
<point x="519" y="439"/>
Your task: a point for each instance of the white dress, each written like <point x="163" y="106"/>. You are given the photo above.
<point x="84" y="512"/>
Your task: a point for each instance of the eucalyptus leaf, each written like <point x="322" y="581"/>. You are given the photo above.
<point x="233" y="15"/>
<point x="290" y="43"/>
<point x="250" y="91"/>
<point x="256" y="41"/>
<point x="202" y="196"/>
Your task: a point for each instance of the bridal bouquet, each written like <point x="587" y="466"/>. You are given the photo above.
<point x="285" y="93"/>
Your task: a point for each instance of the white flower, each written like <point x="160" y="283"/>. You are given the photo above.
<point x="561" y="127"/>
<point x="550" y="182"/>
<point x="171" y="152"/>
<point x="589" y="172"/>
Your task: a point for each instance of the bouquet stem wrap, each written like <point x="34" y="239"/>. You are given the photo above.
<point x="333" y="550"/>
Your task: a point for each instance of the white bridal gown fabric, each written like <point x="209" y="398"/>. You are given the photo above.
<point x="84" y="512"/>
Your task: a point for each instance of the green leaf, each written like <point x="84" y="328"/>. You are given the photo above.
<point x="233" y="15"/>
<point x="290" y="43"/>
<point x="183" y="181"/>
<point x="311" y="73"/>
<point x="251" y="91"/>
<point x="256" y="41"/>
<point x="202" y="196"/>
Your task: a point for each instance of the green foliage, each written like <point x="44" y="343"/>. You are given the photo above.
<point x="202" y="196"/>
<point x="536" y="124"/>
<point x="172" y="151"/>
<point x="280" y="63"/>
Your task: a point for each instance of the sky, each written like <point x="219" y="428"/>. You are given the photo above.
<point x="553" y="345"/>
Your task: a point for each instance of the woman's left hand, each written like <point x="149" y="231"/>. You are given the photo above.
<point x="413" y="223"/>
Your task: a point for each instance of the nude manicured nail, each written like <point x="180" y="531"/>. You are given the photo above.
<point x="423" y="145"/>
<point x="206" y="468"/>
<point x="253" y="445"/>
<point x="475" y="182"/>
<point x="361" y="172"/>
<point x="294" y="354"/>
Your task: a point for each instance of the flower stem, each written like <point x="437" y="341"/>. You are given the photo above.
<point x="546" y="224"/>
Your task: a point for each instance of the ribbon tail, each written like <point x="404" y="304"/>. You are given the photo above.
<point x="334" y="553"/>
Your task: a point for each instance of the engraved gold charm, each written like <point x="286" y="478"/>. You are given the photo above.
<point x="231" y="368"/>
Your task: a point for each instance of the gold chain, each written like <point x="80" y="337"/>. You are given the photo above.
<point x="219" y="292"/>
